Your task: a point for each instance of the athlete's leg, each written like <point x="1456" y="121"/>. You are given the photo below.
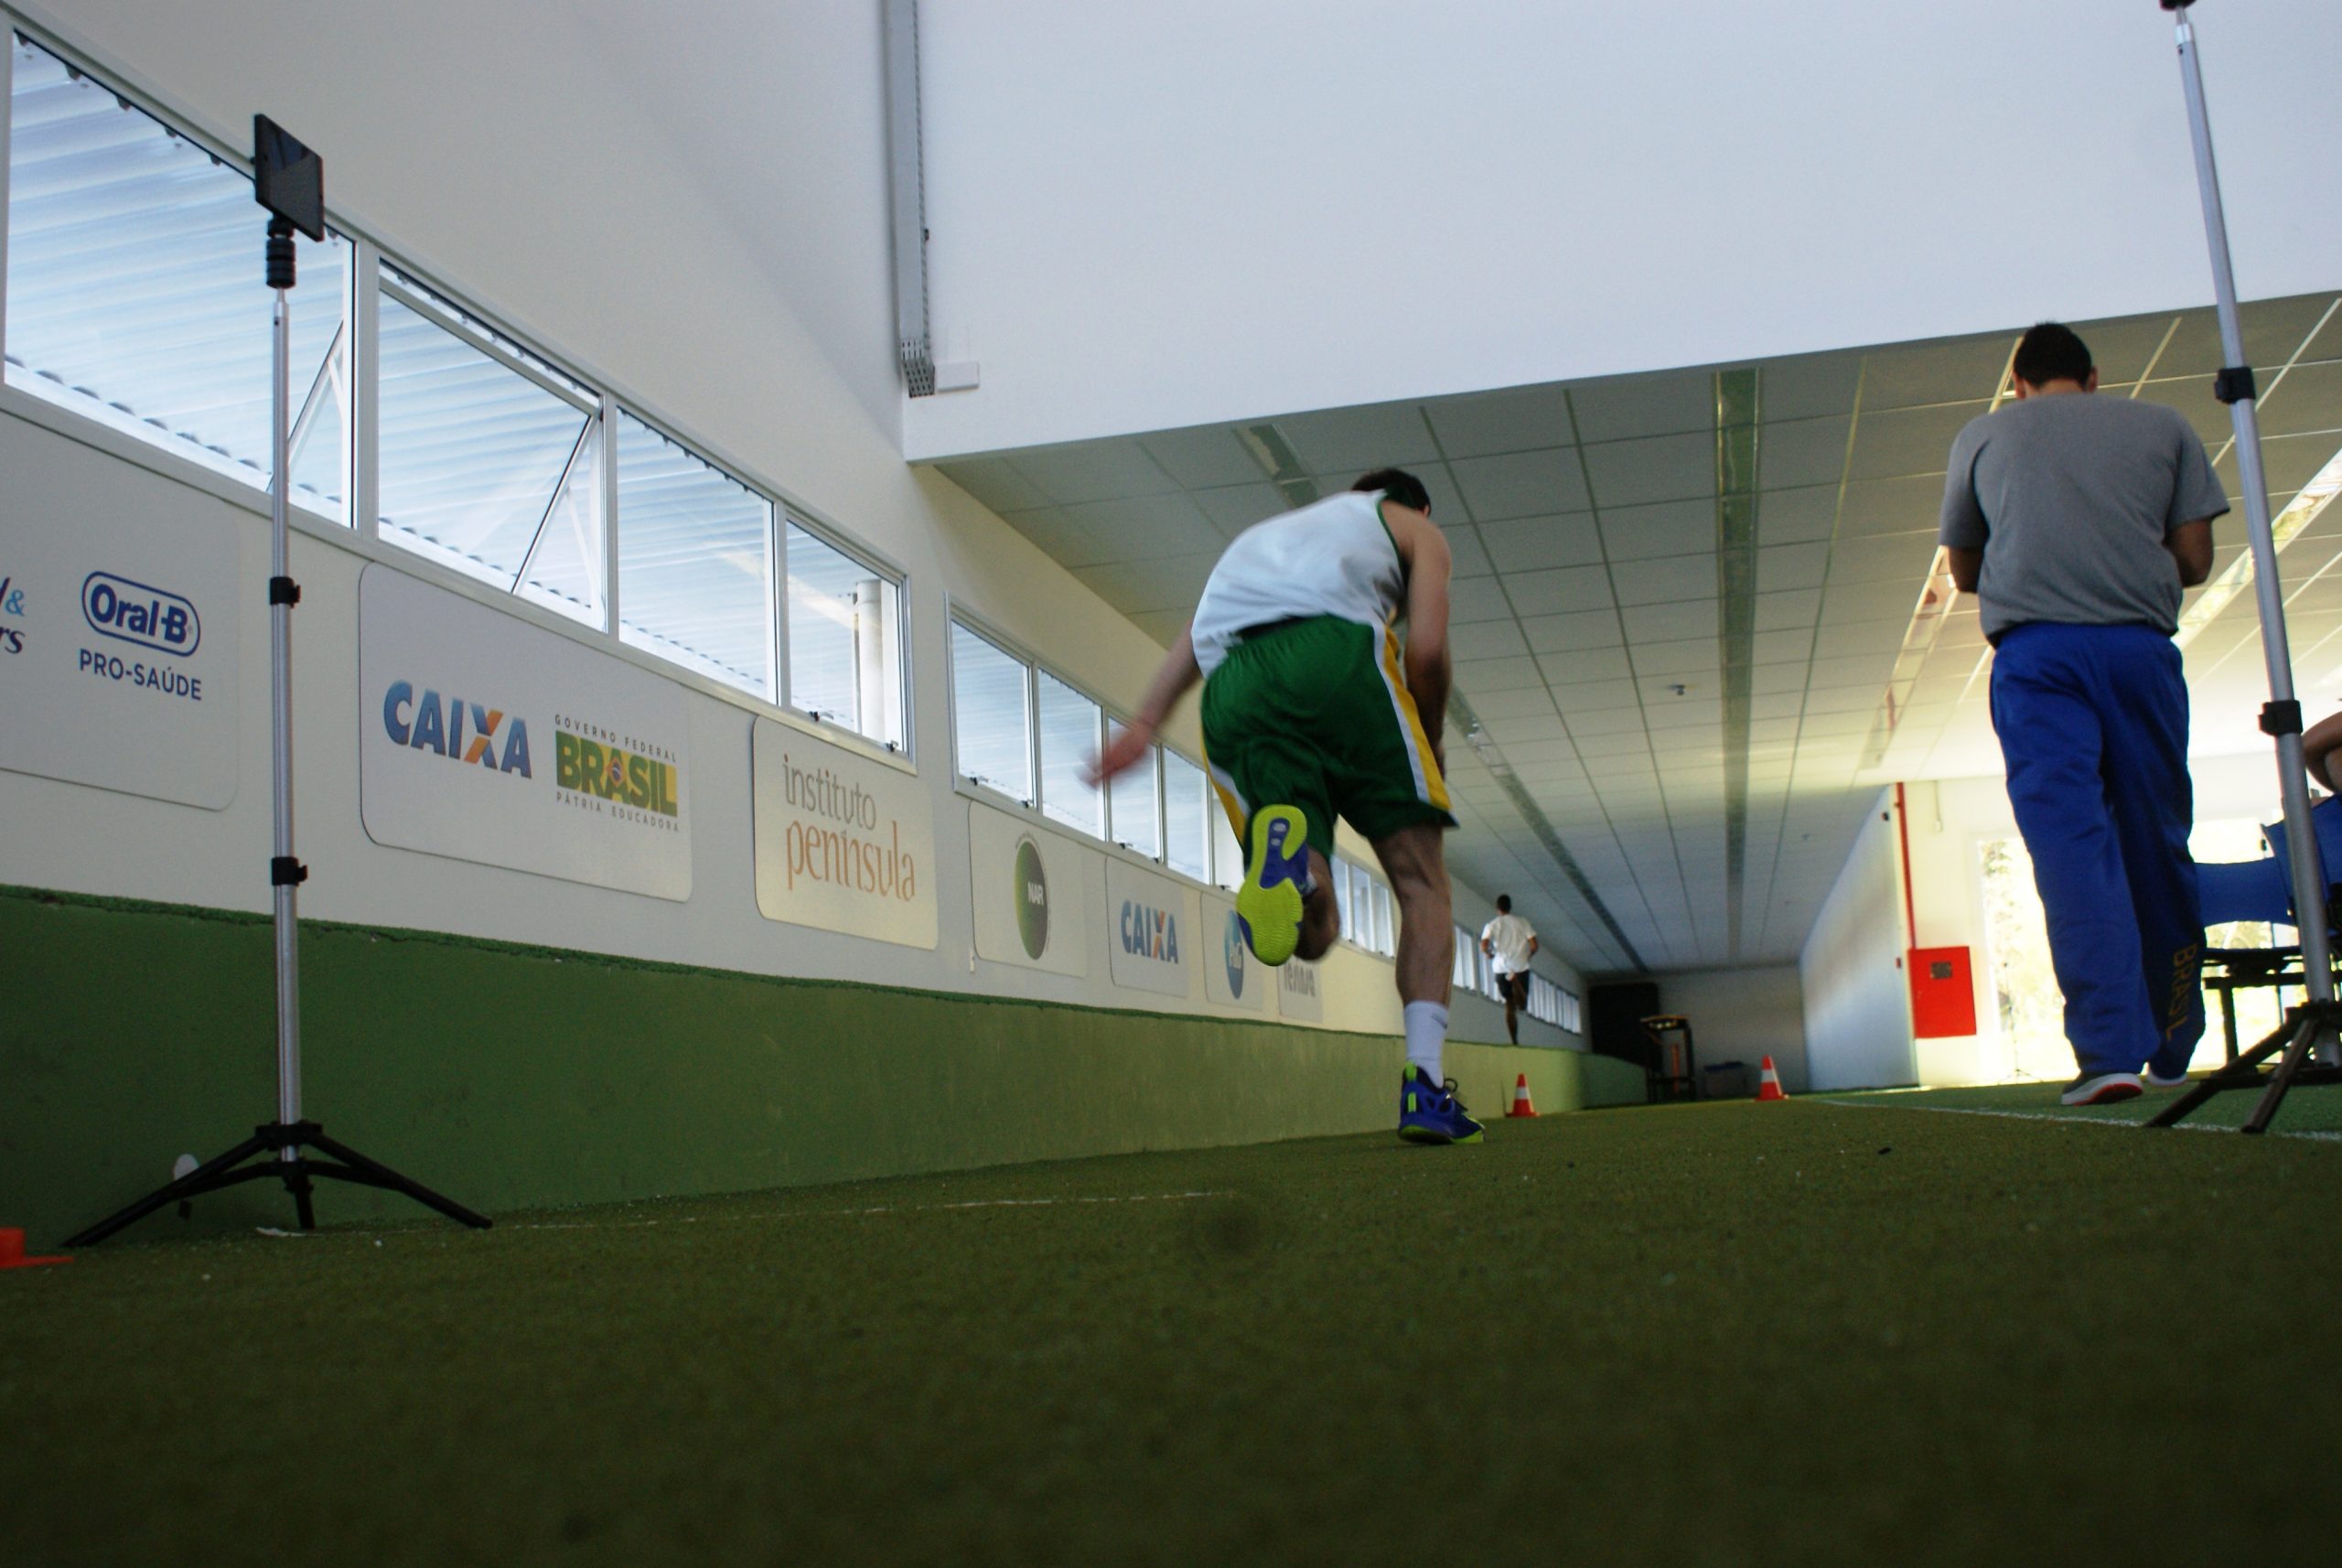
<point x="1511" y="1009"/>
<point x="1429" y="1112"/>
<point x="1415" y="860"/>
<point x="1321" y="918"/>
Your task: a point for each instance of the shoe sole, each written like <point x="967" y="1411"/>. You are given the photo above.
<point x="2106" y="1096"/>
<point x="1270" y="902"/>
<point x="1425" y="1136"/>
<point x="2180" y="1082"/>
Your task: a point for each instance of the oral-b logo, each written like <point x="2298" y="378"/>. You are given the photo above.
<point x="1149" y="933"/>
<point x="134" y="612"/>
<point x="429" y="723"/>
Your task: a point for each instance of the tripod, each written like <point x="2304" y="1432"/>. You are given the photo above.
<point x="2314" y="1027"/>
<point x="289" y="181"/>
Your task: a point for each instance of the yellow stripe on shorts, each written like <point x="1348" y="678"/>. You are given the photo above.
<point x="1430" y="787"/>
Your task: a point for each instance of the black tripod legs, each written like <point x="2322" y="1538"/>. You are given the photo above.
<point x="279" y="1146"/>
<point x="2303" y="1028"/>
<point x="374" y="1174"/>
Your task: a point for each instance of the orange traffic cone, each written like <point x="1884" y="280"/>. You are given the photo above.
<point x="1520" y="1105"/>
<point x="1769" y="1082"/>
<point x="12" y="1251"/>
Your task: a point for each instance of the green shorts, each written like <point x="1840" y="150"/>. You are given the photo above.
<point x="1317" y="715"/>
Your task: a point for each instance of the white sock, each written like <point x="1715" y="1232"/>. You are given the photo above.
<point x="1426" y="1033"/>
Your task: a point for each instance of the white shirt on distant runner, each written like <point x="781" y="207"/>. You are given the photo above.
<point x="1509" y="935"/>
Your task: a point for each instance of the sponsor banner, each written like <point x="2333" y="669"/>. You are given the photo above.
<point x="118" y="648"/>
<point x="1233" y="976"/>
<point x="1152" y="930"/>
<point x="844" y="842"/>
<point x="482" y="737"/>
<point x="1298" y="997"/>
<point x="1031" y="891"/>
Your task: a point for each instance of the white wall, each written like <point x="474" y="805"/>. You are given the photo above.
<point x="1857" y="995"/>
<point x="1162" y="215"/>
<point x="1951" y="821"/>
<point x="1744" y="1016"/>
<point x="580" y="239"/>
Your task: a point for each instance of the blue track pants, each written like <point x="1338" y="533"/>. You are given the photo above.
<point x="2093" y="723"/>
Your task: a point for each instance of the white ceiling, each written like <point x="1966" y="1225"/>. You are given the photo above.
<point x="1589" y="635"/>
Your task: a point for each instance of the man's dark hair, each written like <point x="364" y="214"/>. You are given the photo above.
<point x="2050" y="351"/>
<point x="1504" y="903"/>
<point x="1398" y="484"/>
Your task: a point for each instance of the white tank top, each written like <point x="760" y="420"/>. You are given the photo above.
<point x="1333" y="557"/>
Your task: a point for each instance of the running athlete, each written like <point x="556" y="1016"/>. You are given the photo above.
<point x="1312" y="708"/>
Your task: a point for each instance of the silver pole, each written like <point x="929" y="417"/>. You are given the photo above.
<point x="2309" y="881"/>
<point x="280" y="682"/>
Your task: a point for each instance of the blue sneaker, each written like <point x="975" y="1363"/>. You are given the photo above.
<point x="1276" y="880"/>
<point x="1430" y="1112"/>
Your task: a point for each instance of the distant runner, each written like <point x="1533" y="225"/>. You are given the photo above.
<point x="1510" y="943"/>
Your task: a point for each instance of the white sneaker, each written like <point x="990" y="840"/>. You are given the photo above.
<point x="2157" y="1080"/>
<point x="2101" y="1088"/>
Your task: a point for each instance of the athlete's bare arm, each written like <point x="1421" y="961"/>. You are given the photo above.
<point x="2191" y="548"/>
<point x="2318" y="747"/>
<point x="1128" y="745"/>
<point x="1423" y="550"/>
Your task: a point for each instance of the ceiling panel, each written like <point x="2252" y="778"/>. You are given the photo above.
<point x="1579" y="698"/>
<point x="1522" y="420"/>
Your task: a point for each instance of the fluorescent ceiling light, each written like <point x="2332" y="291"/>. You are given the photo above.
<point x="2283" y="528"/>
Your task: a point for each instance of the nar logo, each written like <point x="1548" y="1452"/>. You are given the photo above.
<point x="134" y="613"/>
<point x="1149" y="933"/>
<point x="426" y="723"/>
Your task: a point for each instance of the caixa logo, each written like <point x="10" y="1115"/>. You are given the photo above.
<point x="133" y="612"/>
<point x="1149" y="933"/>
<point x="429" y="723"/>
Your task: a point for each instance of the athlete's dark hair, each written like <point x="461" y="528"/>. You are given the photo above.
<point x="1504" y="903"/>
<point x="2050" y="351"/>
<point x="1398" y="484"/>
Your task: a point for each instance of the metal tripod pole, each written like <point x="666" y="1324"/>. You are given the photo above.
<point x="284" y="869"/>
<point x="2282" y="719"/>
<point x="281" y="1149"/>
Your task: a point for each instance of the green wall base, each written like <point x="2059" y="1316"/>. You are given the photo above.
<point x="514" y="1077"/>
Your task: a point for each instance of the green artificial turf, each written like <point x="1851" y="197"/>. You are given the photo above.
<point x="1708" y="1334"/>
<point x="2315" y="1112"/>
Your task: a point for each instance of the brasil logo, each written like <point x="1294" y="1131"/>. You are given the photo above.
<point x="1032" y="900"/>
<point x="1231" y="953"/>
<point x="612" y="773"/>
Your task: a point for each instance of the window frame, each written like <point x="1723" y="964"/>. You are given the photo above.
<point x="1110" y="715"/>
<point x="604" y="396"/>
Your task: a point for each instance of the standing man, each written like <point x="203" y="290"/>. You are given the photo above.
<point x="1510" y="943"/>
<point x="2077" y="520"/>
<point x="1311" y="709"/>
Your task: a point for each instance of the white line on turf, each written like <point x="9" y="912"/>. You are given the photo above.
<point x="2053" y="1116"/>
<point x="880" y="1208"/>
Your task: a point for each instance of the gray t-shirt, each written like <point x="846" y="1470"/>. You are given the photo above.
<point x="2070" y="497"/>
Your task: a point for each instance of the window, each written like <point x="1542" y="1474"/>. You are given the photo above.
<point x="988" y="702"/>
<point x="694" y="561"/>
<point x="135" y="297"/>
<point x="1133" y="821"/>
<point x="1227" y="854"/>
<point x="1069" y="740"/>
<point x="1460" y="966"/>
<point x="135" y="291"/>
<point x="845" y="661"/>
<point x="488" y="459"/>
<point x="1383" y="942"/>
<point x="1187" y="812"/>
